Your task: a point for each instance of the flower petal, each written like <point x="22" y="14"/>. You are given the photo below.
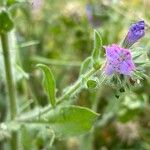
<point x="126" y="67"/>
<point x="112" y="53"/>
<point x="109" y="70"/>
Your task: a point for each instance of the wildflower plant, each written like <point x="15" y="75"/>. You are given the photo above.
<point x="123" y="68"/>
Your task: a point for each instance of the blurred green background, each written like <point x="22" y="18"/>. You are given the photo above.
<point x="59" y="33"/>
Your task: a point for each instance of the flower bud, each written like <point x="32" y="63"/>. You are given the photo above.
<point x="136" y="32"/>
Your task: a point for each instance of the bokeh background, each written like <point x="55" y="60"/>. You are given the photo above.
<point x="59" y="33"/>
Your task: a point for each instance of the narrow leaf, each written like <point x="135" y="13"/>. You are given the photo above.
<point x="85" y="65"/>
<point x="96" y="50"/>
<point x="97" y="40"/>
<point x="49" y="83"/>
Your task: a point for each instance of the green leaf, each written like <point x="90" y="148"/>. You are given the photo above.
<point x="49" y="83"/>
<point x="92" y="83"/>
<point x="6" y="23"/>
<point x="85" y="65"/>
<point x="11" y="2"/>
<point x="26" y="138"/>
<point x="97" y="40"/>
<point x="96" y="50"/>
<point x="68" y="121"/>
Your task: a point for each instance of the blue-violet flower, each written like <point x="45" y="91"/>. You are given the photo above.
<point x="136" y="31"/>
<point x="119" y="60"/>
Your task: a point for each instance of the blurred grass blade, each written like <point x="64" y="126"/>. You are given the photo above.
<point x="48" y="61"/>
<point x="49" y="83"/>
<point x="27" y="44"/>
<point x="21" y="73"/>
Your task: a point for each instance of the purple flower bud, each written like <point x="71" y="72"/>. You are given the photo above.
<point x="135" y="32"/>
<point x="119" y="60"/>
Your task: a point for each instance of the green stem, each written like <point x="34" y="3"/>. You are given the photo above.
<point x="72" y="90"/>
<point x="76" y="86"/>
<point x="9" y="78"/>
<point x="10" y="85"/>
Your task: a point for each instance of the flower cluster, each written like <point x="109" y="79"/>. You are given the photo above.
<point x="125" y="66"/>
<point x="119" y="60"/>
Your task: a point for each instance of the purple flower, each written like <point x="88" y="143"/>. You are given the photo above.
<point x="135" y="32"/>
<point x="119" y="60"/>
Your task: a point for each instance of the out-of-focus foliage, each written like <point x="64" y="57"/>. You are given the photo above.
<point x="6" y="23"/>
<point x="59" y="34"/>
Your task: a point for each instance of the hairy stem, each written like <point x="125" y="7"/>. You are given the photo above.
<point x="10" y="85"/>
<point x="9" y="78"/>
<point x="76" y="86"/>
<point x="70" y="92"/>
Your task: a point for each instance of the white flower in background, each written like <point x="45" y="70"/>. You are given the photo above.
<point x="128" y="132"/>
